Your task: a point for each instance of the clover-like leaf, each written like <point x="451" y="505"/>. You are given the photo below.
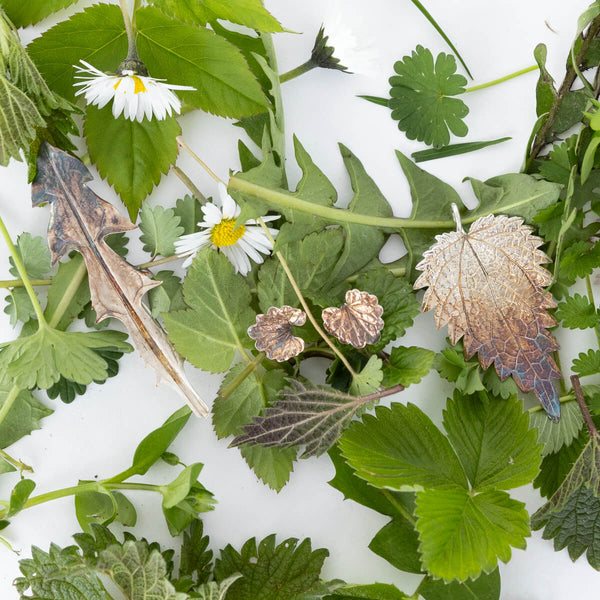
<point x="358" y="322"/>
<point x="488" y="286"/>
<point x="272" y="332"/>
<point x="421" y="99"/>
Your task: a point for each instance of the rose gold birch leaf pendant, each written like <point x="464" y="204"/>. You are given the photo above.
<point x="358" y="322"/>
<point x="488" y="285"/>
<point x="272" y="332"/>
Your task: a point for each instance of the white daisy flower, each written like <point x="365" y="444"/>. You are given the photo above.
<point x="238" y="244"/>
<point x="136" y="96"/>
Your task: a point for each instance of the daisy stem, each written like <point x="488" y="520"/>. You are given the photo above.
<point x="311" y="318"/>
<point x="131" y="49"/>
<point x="183" y="145"/>
<point x="482" y="86"/>
<point x="309" y="65"/>
<point x="189" y="184"/>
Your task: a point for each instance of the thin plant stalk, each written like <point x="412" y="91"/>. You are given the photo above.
<point x="482" y="86"/>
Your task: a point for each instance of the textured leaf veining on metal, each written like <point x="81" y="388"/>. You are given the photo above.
<point x="488" y="286"/>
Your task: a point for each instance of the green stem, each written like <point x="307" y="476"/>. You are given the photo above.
<point x="249" y="368"/>
<point x="425" y="579"/>
<point x="131" y="50"/>
<point x="564" y="398"/>
<point x="399" y="507"/>
<point x="12" y="283"/>
<point x="482" y="86"/>
<point x="189" y="184"/>
<point x="70" y="291"/>
<point x="338" y="215"/>
<point x="25" y="278"/>
<point x="183" y="145"/>
<point x="14" y="462"/>
<point x="309" y="65"/>
<point x="160" y="261"/>
<point x="590" y="293"/>
<point x="585" y="413"/>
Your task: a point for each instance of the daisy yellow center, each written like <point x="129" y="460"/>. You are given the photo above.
<point x="138" y="84"/>
<point x="224" y="234"/>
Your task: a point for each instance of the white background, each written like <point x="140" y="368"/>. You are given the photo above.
<point x="97" y="434"/>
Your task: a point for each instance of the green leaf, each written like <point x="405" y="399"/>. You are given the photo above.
<point x="95" y="507"/>
<point x="96" y="35"/>
<point x="420" y="97"/>
<point x="454" y="149"/>
<point x="160" y="228"/>
<point x="19" y="496"/>
<point x="374" y="591"/>
<point x="451" y="365"/>
<point x="151" y="448"/>
<point x="215" y="326"/>
<point x="132" y="156"/>
<point x="166" y="297"/>
<point x="577" y="312"/>
<point x="215" y="591"/>
<point x="271" y="465"/>
<point x="250" y="13"/>
<point x="587" y="363"/>
<point x="189" y="211"/>
<point x="398" y="300"/>
<point x="485" y="587"/>
<point x="369" y="379"/>
<point x="19" y="306"/>
<point x="42" y="358"/>
<point x="461" y="534"/>
<point x="554" y="436"/>
<point x="270" y="572"/>
<point x="579" y="260"/>
<point x="177" y="491"/>
<point x="515" y="194"/>
<point x="310" y="260"/>
<point x="139" y="571"/>
<point x="407" y="365"/>
<point x="188" y="11"/>
<point x="188" y="55"/>
<point x="34" y="254"/>
<point x="398" y="543"/>
<point x="195" y="558"/>
<point x="496" y="447"/>
<point x="431" y="199"/>
<point x="400" y="448"/>
<point x="545" y="92"/>
<point x="27" y="13"/>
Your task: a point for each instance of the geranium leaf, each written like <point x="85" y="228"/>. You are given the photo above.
<point x="587" y="363"/>
<point x="18" y="306"/>
<point x="577" y="312"/>
<point x="34" y="254"/>
<point x="160" y="228"/>
<point x="421" y="99"/>
<point x="369" y="379"/>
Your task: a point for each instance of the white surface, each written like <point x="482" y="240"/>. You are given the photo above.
<point x="97" y="434"/>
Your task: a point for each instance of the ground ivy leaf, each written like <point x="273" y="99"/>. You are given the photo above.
<point x="96" y="35"/>
<point x="160" y="228"/>
<point x="485" y="587"/>
<point x="132" y="156"/>
<point x="577" y="312"/>
<point x="18" y="306"/>
<point x="407" y="365"/>
<point x="209" y="333"/>
<point x="514" y="194"/>
<point x="269" y="572"/>
<point x="400" y="448"/>
<point x="420" y="97"/>
<point x="587" y="363"/>
<point x="271" y="465"/>
<point x="34" y="254"/>
<point x="496" y="447"/>
<point x="188" y="55"/>
<point x="27" y="13"/>
<point x="554" y="436"/>
<point x="189" y="211"/>
<point x="369" y="379"/>
<point x="42" y="358"/>
<point x="398" y="300"/>
<point x="431" y="199"/>
<point x="462" y="535"/>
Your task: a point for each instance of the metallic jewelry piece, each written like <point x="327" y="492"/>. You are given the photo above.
<point x="272" y="332"/>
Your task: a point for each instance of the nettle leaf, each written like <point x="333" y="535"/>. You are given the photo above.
<point x="272" y="466"/>
<point x="421" y="97"/>
<point x="554" y="436"/>
<point x="209" y="333"/>
<point x="132" y="156"/>
<point x="27" y="13"/>
<point x="407" y="365"/>
<point x="34" y="254"/>
<point x="577" y="312"/>
<point x="492" y="522"/>
<point x="269" y="572"/>
<point x="587" y="363"/>
<point x="188" y="55"/>
<point x="160" y="228"/>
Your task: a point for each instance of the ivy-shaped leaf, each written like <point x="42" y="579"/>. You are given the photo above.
<point x="420" y="97"/>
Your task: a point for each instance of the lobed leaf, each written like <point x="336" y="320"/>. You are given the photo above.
<point x="577" y="312"/>
<point x="587" y="363"/>
<point x="160" y="228"/>
<point x="407" y="365"/>
<point x="34" y="254"/>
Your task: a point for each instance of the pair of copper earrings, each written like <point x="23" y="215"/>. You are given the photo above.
<point x="358" y="322"/>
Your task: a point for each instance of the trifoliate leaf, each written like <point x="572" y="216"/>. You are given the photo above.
<point x="42" y="358"/>
<point x="420" y="97"/>
<point x="188" y="55"/>
<point x="34" y="254"/>
<point x="587" y="363"/>
<point x="272" y="466"/>
<point x="452" y="365"/>
<point x="166" y="297"/>
<point x="554" y="436"/>
<point x="369" y="379"/>
<point x="131" y="155"/>
<point x="496" y="447"/>
<point x="577" y="312"/>
<point x="400" y="448"/>
<point x="398" y="300"/>
<point x="485" y="587"/>
<point x="27" y="13"/>
<point x="287" y="571"/>
<point x="492" y="522"/>
<point x="189" y="211"/>
<point x="18" y="306"/>
<point x="139" y="571"/>
<point x="160" y="228"/>
<point x="407" y="365"/>
<point x="215" y="326"/>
